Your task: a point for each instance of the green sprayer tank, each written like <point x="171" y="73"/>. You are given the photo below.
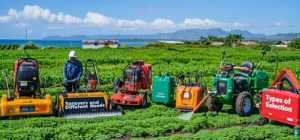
<point x="163" y="89"/>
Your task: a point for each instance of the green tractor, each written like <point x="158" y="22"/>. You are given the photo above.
<point x="237" y="86"/>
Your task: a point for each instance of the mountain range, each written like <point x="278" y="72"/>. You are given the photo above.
<point x="188" y="34"/>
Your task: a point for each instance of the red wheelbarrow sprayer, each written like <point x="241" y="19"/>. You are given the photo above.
<point x="281" y="101"/>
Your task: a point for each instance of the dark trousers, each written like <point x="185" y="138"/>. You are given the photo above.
<point x="70" y="86"/>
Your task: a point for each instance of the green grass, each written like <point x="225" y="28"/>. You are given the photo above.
<point x="155" y="120"/>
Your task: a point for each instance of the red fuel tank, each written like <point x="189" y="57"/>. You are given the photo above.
<point x="146" y="74"/>
<point x="92" y="85"/>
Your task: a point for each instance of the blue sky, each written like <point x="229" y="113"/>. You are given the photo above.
<point x="94" y="17"/>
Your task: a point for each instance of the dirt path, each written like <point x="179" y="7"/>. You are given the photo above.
<point x="126" y="137"/>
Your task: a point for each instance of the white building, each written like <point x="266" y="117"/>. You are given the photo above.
<point x="94" y="44"/>
<point x="172" y="42"/>
<point x="282" y="44"/>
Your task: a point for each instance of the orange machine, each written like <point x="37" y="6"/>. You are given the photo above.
<point x="189" y="93"/>
<point x="26" y="98"/>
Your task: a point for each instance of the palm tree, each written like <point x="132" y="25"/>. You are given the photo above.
<point x="230" y="39"/>
<point x="212" y="38"/>
<point x="239" y="38"/>
<point x="203" y="40"/>
<point x="234" y="38"/>
<point x="221" y="39"/>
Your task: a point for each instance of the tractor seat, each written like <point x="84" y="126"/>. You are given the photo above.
<point x="242" y="76"/>
<point x="242" y="73"/>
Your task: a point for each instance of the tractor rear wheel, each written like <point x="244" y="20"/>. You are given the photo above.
<point x="211" y="105"/>
<point x="244" y="104"/>
<point x="144" y="100"/>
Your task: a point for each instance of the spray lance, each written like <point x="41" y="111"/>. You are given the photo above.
<point x="223" y="55"/>
<point x="189" y="115"/>
<point x="263" y="54"/>
<point x="276" y="70"/>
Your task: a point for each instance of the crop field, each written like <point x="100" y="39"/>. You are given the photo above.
<point x="155" y="121"/>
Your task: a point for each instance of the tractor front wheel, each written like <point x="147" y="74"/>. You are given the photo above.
<point x="211" y="105"/>
<point x="244" y="104"/>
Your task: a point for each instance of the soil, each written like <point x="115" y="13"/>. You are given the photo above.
<point x="127" y="137"/>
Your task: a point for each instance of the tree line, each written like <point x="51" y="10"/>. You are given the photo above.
<point x="230" y="39"/>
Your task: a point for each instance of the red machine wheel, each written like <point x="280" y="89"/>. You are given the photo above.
<point x="112" y="105"/>
<point x="144" y="100"/>
<point x="263" y="121"/>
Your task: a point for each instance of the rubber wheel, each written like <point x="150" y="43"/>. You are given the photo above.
<point x="112" y="106"/>
<point x="144" y="100"/>
<point x="59" y="111"/>
<point x="244" y="104"/>
<point x="120" y="108"/>
<point x="54" y="112"/>
<point x="211" y="105"/>
<point x="263" y="121"/>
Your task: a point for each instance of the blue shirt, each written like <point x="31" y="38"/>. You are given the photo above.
<point x="72" y="70"/>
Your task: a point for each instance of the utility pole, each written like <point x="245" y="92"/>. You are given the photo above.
<point x="26" y="35"/>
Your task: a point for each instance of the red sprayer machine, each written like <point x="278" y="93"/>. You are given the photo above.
<point x="133" y="86"/>
<point x="281" y="102"/>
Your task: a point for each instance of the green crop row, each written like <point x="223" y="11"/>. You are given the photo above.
<point x="157" y="120"/>
<point x="254" y="132"/>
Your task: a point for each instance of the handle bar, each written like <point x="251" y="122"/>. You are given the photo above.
<point x="236" y="68"/>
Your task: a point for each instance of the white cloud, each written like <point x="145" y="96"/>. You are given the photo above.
<point x="4" y="19"/>
<point x="36" y="13"/>
<point x="98" y="19"/>
<point x="279" y="24"/>
<point x="92" y="19"/>
<point x="163" y="23"/>
<point x="208" y="23"/>
<point x="21" y="25"/>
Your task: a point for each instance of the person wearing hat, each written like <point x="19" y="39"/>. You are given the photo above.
<point x="72" y="72"/>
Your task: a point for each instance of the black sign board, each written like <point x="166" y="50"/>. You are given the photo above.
<point x="84" y="104"/>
